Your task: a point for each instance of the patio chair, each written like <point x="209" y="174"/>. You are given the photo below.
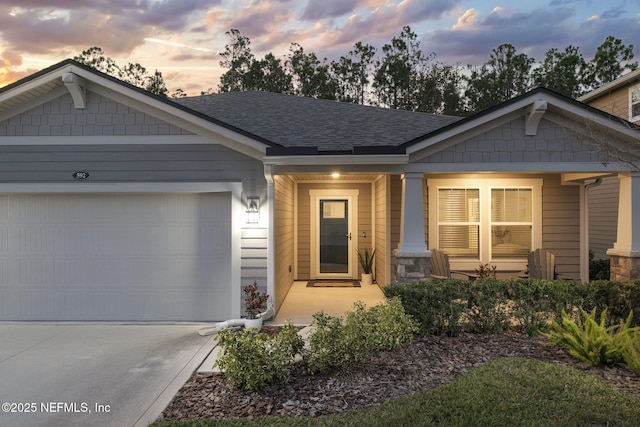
<point x="441" y="269"/>
<point x="542" y="265"/>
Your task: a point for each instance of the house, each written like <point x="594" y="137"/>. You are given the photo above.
<point x="621" y="98"/>
<point x="119" y="205"/>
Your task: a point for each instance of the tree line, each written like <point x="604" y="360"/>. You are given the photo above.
<point x="400" y="76"/>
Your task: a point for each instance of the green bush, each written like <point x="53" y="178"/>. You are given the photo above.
<point x="251" y="359"/>
<point x="488" y="306"/>
<point x="619" y="298"/>
<point x="437" y="305"/>
<point x="334" y="343"/>
<point x="591" y="340"/>
<point x="531" y="304"/>
<point x="599" y="269"/>
<point x="631" y="351"/>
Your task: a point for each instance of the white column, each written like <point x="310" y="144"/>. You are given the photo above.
<point x="271" y="208"/>
<point x="412" y="215"/>
<point x="628" y="241"/>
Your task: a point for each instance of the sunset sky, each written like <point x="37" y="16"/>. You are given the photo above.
<point x="183" y="38"/>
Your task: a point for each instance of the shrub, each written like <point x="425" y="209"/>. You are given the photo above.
<point x="591" y="340"/>
<point x="437" y="305"/>
<point x="531" y="305"/>
<point x="487" y="304"/>
<point x="599" y="269"/>
<point x="631" y="351"/>
<point x="334" y="343"/>
<point x="251" y="359"/>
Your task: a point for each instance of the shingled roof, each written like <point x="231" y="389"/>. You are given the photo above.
<point x="295" y="122"/>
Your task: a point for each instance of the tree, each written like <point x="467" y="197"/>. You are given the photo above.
<point x="439" y="90"/>
<point x="310" y="76"/>
<point x="503" y="77"/>
<point x="351" y="74"/>
<point x="269" y="75"/>
<point x="396" y="77"/>
<point x="132" y="73"/>
<point x="563" y="72"/>
<point x="611" y="60"/>
<point x="237" y="59"/>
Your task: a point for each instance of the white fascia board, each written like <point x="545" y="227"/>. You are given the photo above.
<point x="105" y="140"/>
<point x="321" y="160"/>
<point x="36" y="83"/>
<point x="518" y="167"/>
<point x="41" y="99"/>
<point x="123" y="187"/>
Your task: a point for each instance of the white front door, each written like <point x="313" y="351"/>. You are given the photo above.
<point x="333" y="235"/>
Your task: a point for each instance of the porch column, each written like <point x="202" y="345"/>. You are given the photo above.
<point x="625" y="255"/>
<point x="412" y="259"/>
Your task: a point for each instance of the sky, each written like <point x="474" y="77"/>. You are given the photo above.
<point x="183" y="38"/>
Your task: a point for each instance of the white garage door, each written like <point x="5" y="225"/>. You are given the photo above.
<point x="115" y="256"/>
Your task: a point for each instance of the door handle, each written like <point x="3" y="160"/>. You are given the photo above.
<point x="348" y="236"/>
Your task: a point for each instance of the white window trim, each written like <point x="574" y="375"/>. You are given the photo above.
<point x="631" y="90"/>
<point x="485" y="186"/>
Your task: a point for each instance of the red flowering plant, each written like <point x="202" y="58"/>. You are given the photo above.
<point x="254" y="300"/>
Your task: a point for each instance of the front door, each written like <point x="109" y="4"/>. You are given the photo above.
<point x="333" y="254"/>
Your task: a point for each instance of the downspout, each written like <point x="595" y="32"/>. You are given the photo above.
<point x="585" y="232"/>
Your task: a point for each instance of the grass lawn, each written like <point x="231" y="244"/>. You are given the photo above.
<point x="503" y="392"/>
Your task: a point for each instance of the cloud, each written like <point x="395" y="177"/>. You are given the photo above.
<point x="47" y="26"/>
<point x="328" y="9"/>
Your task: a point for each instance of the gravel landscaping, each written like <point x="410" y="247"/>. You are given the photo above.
<point x="424" y="363"/>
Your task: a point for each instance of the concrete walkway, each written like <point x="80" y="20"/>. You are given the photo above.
<point x="94" y="374"/>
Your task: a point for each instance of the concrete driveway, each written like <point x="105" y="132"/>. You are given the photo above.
<point x="94" y="374"/>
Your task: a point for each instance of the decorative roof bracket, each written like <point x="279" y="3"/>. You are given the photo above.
<point x="75" y="86"/>
<point x="533" y="115"/>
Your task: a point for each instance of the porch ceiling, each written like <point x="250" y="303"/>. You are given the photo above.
<point x="328" y="177"/>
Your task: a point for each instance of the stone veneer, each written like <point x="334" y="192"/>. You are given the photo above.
<point x="624" y="268"/>
<point x="410" y="267"/>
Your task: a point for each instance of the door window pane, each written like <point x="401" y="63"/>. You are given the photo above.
<point x="334" y="230"/>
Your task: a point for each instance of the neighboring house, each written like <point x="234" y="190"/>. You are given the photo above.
<point x="621" y="98"/>
<point x="119" y="205"/>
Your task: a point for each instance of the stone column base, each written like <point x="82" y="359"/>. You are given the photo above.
<point x="410" y="267"/>
<point x="624" y="268"/>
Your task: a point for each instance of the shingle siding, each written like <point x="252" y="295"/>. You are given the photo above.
<point x="505" y="144"/>
<point x="101" y="117"/>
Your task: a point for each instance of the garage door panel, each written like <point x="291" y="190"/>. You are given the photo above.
<point x="115" y="256"/>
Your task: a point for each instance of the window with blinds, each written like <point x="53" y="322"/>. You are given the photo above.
<point x="511" y="222"/>
<point x="459" y="222"/>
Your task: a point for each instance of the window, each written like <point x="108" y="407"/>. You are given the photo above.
<point x="496" y="221"/>
<point x="634" y="104"/>
<point x="459" y="221"/>
<point x="511" y="222"/>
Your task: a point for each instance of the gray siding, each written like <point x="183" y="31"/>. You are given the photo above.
<point x="128" y="163"/>
<point x="603" y="216"/>
<point x="507" y="143"/>
<point x="561" y="225"/>
<point x="101" y="117"/>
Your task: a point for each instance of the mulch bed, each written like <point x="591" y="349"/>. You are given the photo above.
<point x="426" y="362"/>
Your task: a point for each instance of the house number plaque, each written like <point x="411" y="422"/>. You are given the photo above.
<point x="81" y="175"/>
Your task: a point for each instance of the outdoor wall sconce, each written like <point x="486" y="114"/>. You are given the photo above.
<point x="253" y="210"/>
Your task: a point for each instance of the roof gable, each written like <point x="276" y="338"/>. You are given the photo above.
<point x="538" y="131"/>
<point x="72" y="79"/>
